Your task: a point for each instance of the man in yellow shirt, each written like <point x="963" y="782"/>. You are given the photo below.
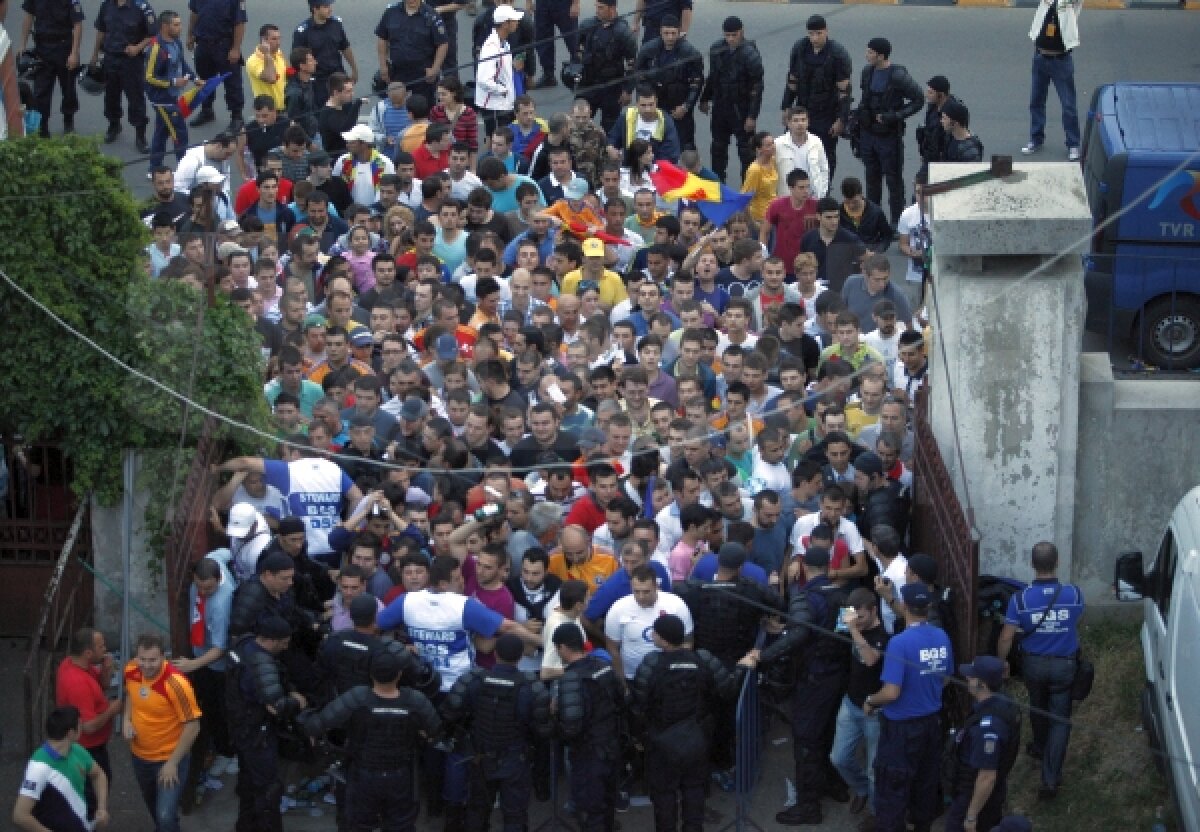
<point x="161" y="722"/>
<point x="865" y="412"/>
<point x="608" y="283"/>
<point x="267" y="67"/>
<point x="578" y="559"/>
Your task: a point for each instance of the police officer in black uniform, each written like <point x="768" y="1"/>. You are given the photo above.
<point x="589" y="708"/>
<point x="819" y="72"/>
<point x="650" y="14"/>
<point x="215" y="29"/>
<point x="412" y="44"/>
<point x="674" y="694"/>
<point x="823" y="667"/>
<point x="726" y="611"/>
<point x="503" y="711"/>
<point x="985" y="749"/>
<point x="57" y="27"/>
<point x="385" y="725"/>
<point x="607" y="50"/>
<point x="734" y="93"/>
<point x="345" y="656"/>
<point x="889" y="96"/>
<point x="258" y="702"/>
<point x="675" y="68"/>
<point x="931" y="136"/>
<point x="325" y="35"/>
<point x="124" y="29"/>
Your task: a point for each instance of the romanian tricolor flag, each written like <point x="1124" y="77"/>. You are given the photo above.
<point x="191" y="100"/>
<point x="717" y="202"/>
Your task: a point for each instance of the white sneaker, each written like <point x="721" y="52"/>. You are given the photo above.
<point x="232" y="766"/>
<point x="220" y="765"/>
<point x="1073" y="154"/>
<point x="1031" y="149"/>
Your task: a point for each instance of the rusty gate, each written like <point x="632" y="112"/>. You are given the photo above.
<point x="943" y="529"/>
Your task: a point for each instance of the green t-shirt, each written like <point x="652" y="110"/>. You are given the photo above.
<point x="56" y="784"/>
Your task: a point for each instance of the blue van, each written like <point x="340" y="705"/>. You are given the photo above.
<point x="1141" y="163"/>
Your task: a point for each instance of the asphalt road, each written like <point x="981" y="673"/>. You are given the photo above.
<point x="985" y="52"/>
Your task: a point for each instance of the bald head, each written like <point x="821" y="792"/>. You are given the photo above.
<point x="576" y="544"/>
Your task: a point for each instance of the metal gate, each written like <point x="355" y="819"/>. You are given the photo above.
<point x="943" y="529"/>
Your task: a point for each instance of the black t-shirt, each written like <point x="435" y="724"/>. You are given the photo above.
<point x="1050" y="37"/>
<point x="865" y="680"/>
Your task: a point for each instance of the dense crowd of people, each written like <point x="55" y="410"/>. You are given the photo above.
<point x="556" y="453"/>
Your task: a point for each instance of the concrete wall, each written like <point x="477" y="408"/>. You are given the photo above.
<point x="147" y="588"/>
<point x="1138" y="454"/>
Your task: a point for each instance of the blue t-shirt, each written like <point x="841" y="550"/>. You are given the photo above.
<point x="769" y="545"/>
<point x="706" y="570"/>
<point x="616" y="587"/>
<point x="1052" y="632"/>
<point x="918" y="661"/>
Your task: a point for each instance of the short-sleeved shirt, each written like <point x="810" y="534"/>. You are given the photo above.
<point x="160" y="707"/>
<point x="619" y="586"/>
<point x="630" y="625"/>
<point x="789" y="223"/>
<point x="918" y="661"/>
<point x="125" y="25"/>
<point x="440" y="625"/>
<point x="412" y="38"/>
<point x="327" y="41"/>
<point x="1051" y="632"/>
<point x="314" y="489"/>
<point x="53" y="18"/>
<point x="594" y="571"/>
<point x="80" y="687"/>
<point x="255" y="65"/>
<point x="982" y="745"/>
<point x="56" y="783"/>
<point x="215" y="19"/>
<point x="846" y="531"/>
<point x="864" y="679"/>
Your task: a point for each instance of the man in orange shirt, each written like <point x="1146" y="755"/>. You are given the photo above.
<point x="160" y="723"/>
<point x="572" y="214"/>
<point x="577" y="559"/>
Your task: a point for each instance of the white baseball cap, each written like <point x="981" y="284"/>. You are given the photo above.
<point x="503" y="14"/>
<point x="242" y="518"/>
<point x="359" y="133"/>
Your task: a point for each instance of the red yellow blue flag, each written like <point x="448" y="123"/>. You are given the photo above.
<point x="191" y="100"/>
<point x="715" y="201"/>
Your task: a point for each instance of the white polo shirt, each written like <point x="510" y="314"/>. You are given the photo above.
<point x="630" y="625"/>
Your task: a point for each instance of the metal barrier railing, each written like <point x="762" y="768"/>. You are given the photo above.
<point x="60" y="617"/>
<point x="748" y="725"/>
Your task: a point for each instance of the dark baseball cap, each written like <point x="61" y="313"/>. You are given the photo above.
<point x="916" y="595"/>
<point x="987" y="669"/>
<point x="924" y="567"/>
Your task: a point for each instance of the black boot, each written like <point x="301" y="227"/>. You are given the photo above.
<point x="44" y="129"/>
<point x="114" y="130"/>
<point x="68" y="125"/>
<point x="139" y="141"/>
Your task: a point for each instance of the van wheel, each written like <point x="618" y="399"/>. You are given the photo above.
<point x="1170" y="332"/>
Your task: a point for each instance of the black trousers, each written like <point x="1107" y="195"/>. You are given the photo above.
<point x="258" y="786"/>
<point x="547" y="16"/>
<point x="594" y="790"/>
<point x="54" y="53"/>
<point x="883" y="160"/>
<point x="508" y="776"/>
<point x="100" y="755"/>
<point x="212" y="58"/>
<point x="209" y="686"/>
<point x="729" y="122"/>
<point x="819" y="124"/>
<point x="815" y="703"/>
<point x="381" y="800"/>
<point x="672" y="785"/>
<point x="125" y="77"/>
<point x="605" y="100"/>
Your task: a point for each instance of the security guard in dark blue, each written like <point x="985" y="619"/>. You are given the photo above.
<point x="590" y="710"/>
<point x="325" y="35"/>
<point x="258" y="702"/>
<point x="344" y="658"/>
<point x="57" y="27"/>
<point x="819" y="80"/>
<point x="889" y="96"/>
<point x="675" y="68"/>
<point x="503" y="711"/>
<point x="123" y="31"/>
<point x="985" y="749"/>
<point x="733" y="92"/>
<point x="607" y="50"/>
<point x="908" y="761"/>
<point x="411" y="43"/>
<point x="650" y="14"/>
<point x="1046" y="618"/>
<point x="215" y="29"/>
<point x="385" y="726"/>
<point x="675" y="692"/>
<point x="822" y="672"/>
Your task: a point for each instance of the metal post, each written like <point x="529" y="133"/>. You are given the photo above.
<point x="126" y="553"/>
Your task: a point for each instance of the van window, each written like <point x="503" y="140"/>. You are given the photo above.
<point x="1164" y="573"/>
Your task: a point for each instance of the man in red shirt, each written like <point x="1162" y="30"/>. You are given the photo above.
<point x="434" y="155"/>
<point x="589" y="511"/>
<point x="789" y="217"/>
<point x="81" y="681"/>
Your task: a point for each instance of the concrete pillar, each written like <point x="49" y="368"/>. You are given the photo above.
<point x="1009" y="314"/>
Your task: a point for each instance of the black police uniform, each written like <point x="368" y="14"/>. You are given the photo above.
<point x="254" y="681"/>
<point x="590" y="717"/>
<point x="989" y="741"/>
<point x="382" y="739"/>
<point x="54" y="23"/>
<point x="504" y="710"/>
<point x="812" y="83"/>
<point x="678" y="77"/>
<point x="413" y="41"/>
<point x="327" y="41"/>
<point x="893" y="95"/>
<point x="213" y="26"/>
<point x="607" y="51"/>
<point x="547" y="15"/>
<point x="345" y="657"/>
<point x="734" y="87"/>
<point x="823" y="667"/>
<point x="931" y="137"/>
<point x="252" y="603"/>
<point x="674" y="694"/>
<point x="884" y="506"/>
<point x="655" y="11"/>
<point x="122" y="26"/>
<point x="969" y="149"/>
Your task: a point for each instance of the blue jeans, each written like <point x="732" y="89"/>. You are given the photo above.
<point x="1048" y="680"/>
<point x="1060" y="71"/>
<point x="853" y="727"/>
<point x="162" y="803"/>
